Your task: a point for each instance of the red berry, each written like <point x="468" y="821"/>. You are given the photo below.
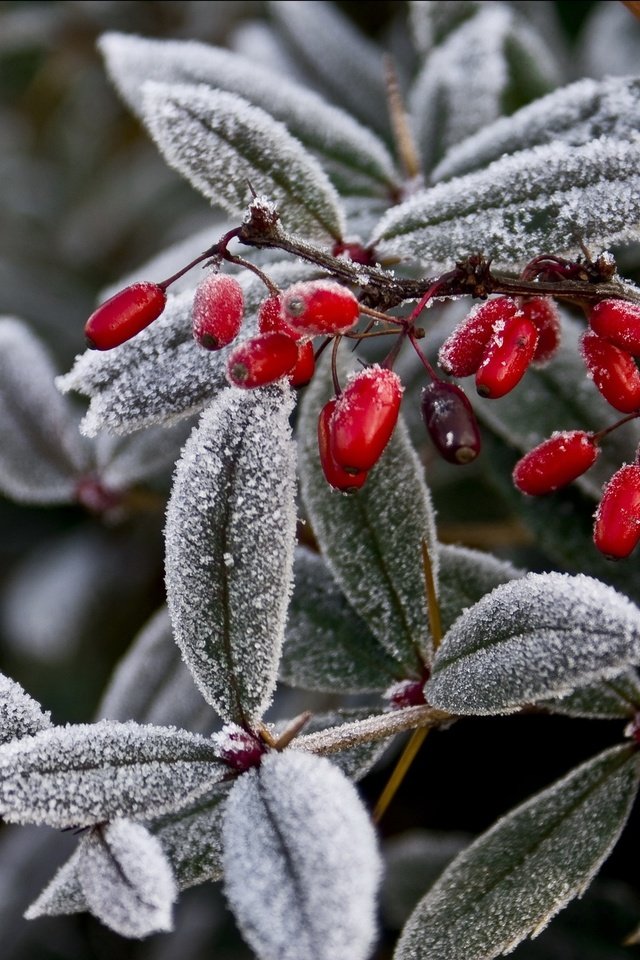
<point x="335" y="475"/>
<point x="543" y="312"/>
<point x="619" y="323"/>
<point x="320" y="307"/>
<point x="506" y="357"/>
<point x="124" y="315"/>
<point x="613" y="371"/>
<point x="262" y="359"/>
<point x="364" y="417"/>
<point x="218" y="306"/>
<point x="305" y="365"/>
<point x="461" y="353"/>
<point x="555" y="462"/>
<point x="451" y="422"/>
<point x="617" y="526"/>
<point x="271" y="318"/>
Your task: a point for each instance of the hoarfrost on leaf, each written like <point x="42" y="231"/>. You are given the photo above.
<point x="63" y="894"/>
<point x="534" y="638"/>
<point x="191" y="839"/>
<point x="234" y="494"/>
<point x="82" y="775"/>
<point x="511" y="881"/>
<point x="126" y="880"/>
<point x="225" y="147"/>
<point x="617" y="698"/>
<point x="465" y="577"/>
<point x="20" y="715"/>
<point x="300" y="861"/>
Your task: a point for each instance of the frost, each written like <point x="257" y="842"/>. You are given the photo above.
<point x="191" y="839"/>
<point x="124" y="462"/>
<point x="234" y="494"/>
<point x="41" y="451"/>
<point x="370" y="540"/>
<point x="467" y="82"/>
<point x="431" y="21"/>
<point x="300" y="860"/>
<point x="162" y="374"/>
<point x="538" y="637"/>
<point x="126" y="880"/>
<point x="151" y="684"/>
<point x="20" y="714"/>
<point x="545" y="198"/>
<point x="577" y="114"/>
<point x="617" y="698"/>
<point x="84" y="774"/>
<point x="465" y="577"/>
<point x="511" y="881"/>
<point x="355" y="761"/>
<point x="63" y="894"/>
<point x="327" y="645"/>
<point x="333" y="135"/>
<point x="225" y="147"/>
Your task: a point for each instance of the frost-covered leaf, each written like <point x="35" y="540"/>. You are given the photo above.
<point x="432" y="22"/>
<point x="227" y="148"/>
<point x="550" y="197"/>
<point x="229" y="549"/>
<point x="63" y="894"/>
<point x="162" y="374"/>
<point x="191" y="839"/>
<point x="151" y="684"/>
<point x="347" y="65"/>
<point x="617" y="698"/>
<point x="580" y="113"/>
<point x="125" y="462"/>
<point x="356" y="761"/>
<point x="511" y="881"/>
<point x="327" y="645"/>
<point x="538" y="637"/>
<point x="370" y="540"/>
<point x="41" y="451"/>
<point x="300" y="861"/>
<point x="334" y="136"/>
<point x="20" y="715"/>
<point x="126" y="879"/>
<point x="84" y="774"/>
<point x="489" y="66"/>
<point x="609" y="41"/>
<point x="465" y="576"/>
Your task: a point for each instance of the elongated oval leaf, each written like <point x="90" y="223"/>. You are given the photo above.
<point x="465" y="576"/>
<point x="528" y="866"/>
<point x="546" y="198"/>
<point x="85" y="774"/>
<point x="617" y="698"/>
<point x="300" y="861"/>
<point x="333" y="135"/>
<point x="191" y="839"/>
<point x="370" y="539"/>
<point x="63" y="894"/>
<point x="327" y="645"/>
<point x="531" y="639"/>
<point x="576" y="114"/>
<point x="162" y="374"/>
<point x="41" y="451"/>
<point x="20" y="715"/>
<point x="126" y="880"/>
<point x="355" y="761"/>
<point x="229" y="549"/>
<point x="228" y="148"/>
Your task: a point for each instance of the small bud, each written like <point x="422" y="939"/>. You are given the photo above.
<point x="240" y="748"/>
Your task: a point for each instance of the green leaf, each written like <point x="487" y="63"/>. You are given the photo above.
<point x="191" y="841"/>
<point x="229" y="549"/>
<point x="538" y="637"/>
<point x="545" y="199"/>
<point x="227" y="148"/>
<point x="617" y="698"/>
<point x="357" y="761"/>
<point x="372" y="539"/>
<point x="528" y="866"/>
<point x="465" y="577"/>
<point x="327" y="645"/>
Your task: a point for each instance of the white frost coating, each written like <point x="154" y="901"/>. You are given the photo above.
<point x="127" y="461"/>
<point x="234" y="493"/>
<point x="513" y="880"/>
<point x="538" y="637"/>
<point x="85" y="774"/>
<point x="614" y="698"/>
<point x="191" y="840"/>
<point x="41" y="451"/>
<point x="535" y="200"/>
<point x="330" y="132"/>
<point x="162" y="374"/>
<point x="20" y="714"/>
<point x="127" y="881"/>
<point x="63" y="894"/>
<point x="464" y="83"/>
<point x="574" y="114"/>
<point x="300" y="861"/>
<point x="221" y="143"/>
<point x="466" y="576"/>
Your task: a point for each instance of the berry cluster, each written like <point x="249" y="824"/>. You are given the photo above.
<point x="496" y="344"/>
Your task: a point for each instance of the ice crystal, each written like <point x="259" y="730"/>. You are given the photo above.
<point x="191" y="839"/>
<point x="300" y="860"/>
<point x="233" y="494"/>
<point x="20" y="714"/>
